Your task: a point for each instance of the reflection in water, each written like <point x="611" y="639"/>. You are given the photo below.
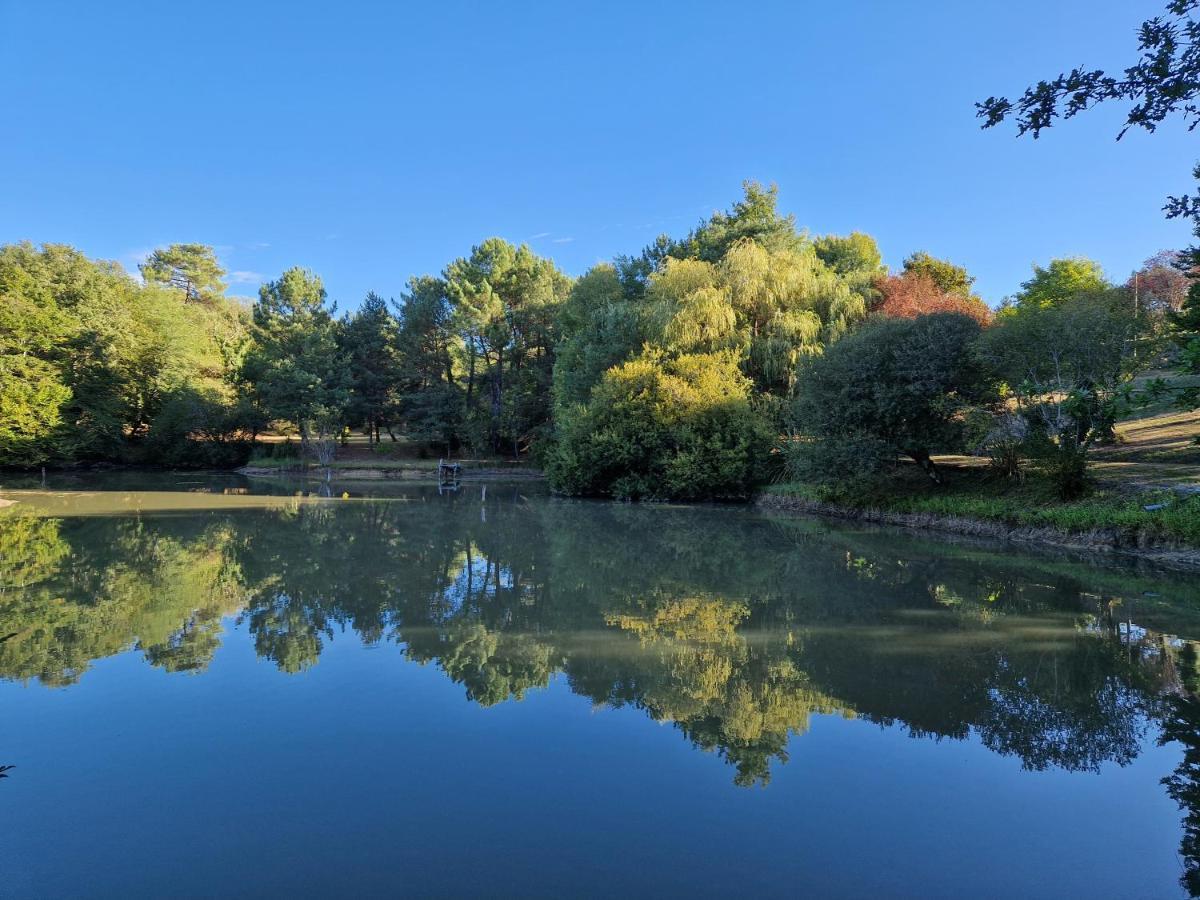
<point x="735" y="629"/>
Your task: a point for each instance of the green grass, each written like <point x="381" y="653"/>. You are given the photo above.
<point x="975" y="495"/>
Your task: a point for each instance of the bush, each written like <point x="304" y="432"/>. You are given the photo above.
<point x="659" y="427"/>
<point x="196" y="429"/>
<point x="895" y="387"/>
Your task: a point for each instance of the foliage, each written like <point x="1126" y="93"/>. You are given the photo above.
<point x="1060" y="281"/>
<point x="429" y="401"/>
<point x="92" y="359"/>
<point x="681" y="427"/>
<point x="917" y="293"/>
<point x="368" y="340"/>
<point x="599" y="327"/>
<point x="1033" y="502"/>
<point x="295" y="368"/>
<point x="1161" y="284"/>
<point x="191" y="268"/>
<point x="1066" y="365"/>
<point x="895" y="387"/>
<point x="755" y="217"/>
<point x="948" y="277"/>
<point x="505" y="301"/>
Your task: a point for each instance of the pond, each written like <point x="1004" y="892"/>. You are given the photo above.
<point x="216" y="687"/>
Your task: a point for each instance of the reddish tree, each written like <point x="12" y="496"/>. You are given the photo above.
<point x="1159" y="282"/>
<point x="916" y="294"/>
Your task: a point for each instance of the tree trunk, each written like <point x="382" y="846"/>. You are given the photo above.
<point x="497" y="399"/>
<point x="927" y="466"/>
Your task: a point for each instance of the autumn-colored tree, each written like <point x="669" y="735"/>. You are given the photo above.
<point x="1160" y="284"/>
<point x="916" y="293"/>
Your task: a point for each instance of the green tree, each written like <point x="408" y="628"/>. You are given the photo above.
<point x="658" y="426"/>
<point x="895" y="387"/>
<point x="505" y="300"/>
<point x="1067" y="365"/>
<point x="755" y="217"/>
<point x="1185" y="330"/>
<point x="946" y="275"/>
<point x="295" y="366"/>
<point x="190" y="268"/>
<point x="92" y="358"/>
<point x="598" y="327"/>
<point x="1061" y="280"/>
<point x="430" y="401"/>
<point x="369" y="346"/>
<point x="856" y="258"/>
<point x="34" y="332"/>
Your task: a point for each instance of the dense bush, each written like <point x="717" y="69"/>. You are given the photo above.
<point x="683" y="427"/>
<point x="896" y="387"/>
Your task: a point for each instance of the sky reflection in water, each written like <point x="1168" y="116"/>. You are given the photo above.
<point x="433" y="693"/>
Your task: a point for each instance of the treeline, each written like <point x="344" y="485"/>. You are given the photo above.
<point x="698" y="368"/>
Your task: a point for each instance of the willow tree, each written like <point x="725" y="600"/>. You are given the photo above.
<point x="773" y="307"/>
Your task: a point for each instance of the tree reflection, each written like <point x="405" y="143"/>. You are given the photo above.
<point x="734" y="628"/>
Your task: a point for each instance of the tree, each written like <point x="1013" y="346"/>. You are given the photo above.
<point x="1185" y="330"/>
<point x="191" y="268"/>
<point x="91" y="358"/>
<point x="505" y="300"/>
<point x="1161" y="284"/>
<point x="771" y="307"/>
<point x="295" y="366"/>
<point x="894" y="387"/>
<point x="598" y="327"/>
<point x="916" y="293"/>
<point x="429" y="398"/>
<point x="856" y="258"/>
<point x="33" y="390"/>
<point x="1066" y="365"/>
<point x="1062" y="280"/>
<point x="855" y="253"/>
<point x="369" y="346"/>
<point x="755" y="217"/>
<point x="659" y="426"/>
<point x="948" y="277"/>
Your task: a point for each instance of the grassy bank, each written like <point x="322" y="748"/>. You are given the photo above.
<point x="1147" y="516"/>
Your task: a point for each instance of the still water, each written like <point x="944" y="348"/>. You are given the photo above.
<point x="213" y="688"/>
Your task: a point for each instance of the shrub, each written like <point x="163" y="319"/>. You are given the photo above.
<point x="660" y="427"/>
<point x="896" y="387"/>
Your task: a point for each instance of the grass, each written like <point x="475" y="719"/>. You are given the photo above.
<point x="973" y="493"/>
<point x="1157" y="451"/>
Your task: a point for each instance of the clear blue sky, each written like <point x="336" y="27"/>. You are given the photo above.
<point x="374" y="141"/>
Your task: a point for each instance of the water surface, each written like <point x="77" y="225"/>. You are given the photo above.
<point x="212" y="687"/>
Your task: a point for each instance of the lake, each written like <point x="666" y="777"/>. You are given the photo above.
<point x="212" y="687"/>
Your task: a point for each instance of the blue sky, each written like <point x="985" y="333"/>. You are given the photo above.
<point x="374" y="141"/>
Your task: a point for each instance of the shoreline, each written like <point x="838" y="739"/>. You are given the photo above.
<point x="370" y="473"/>
<point x="1114" y="541"/>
